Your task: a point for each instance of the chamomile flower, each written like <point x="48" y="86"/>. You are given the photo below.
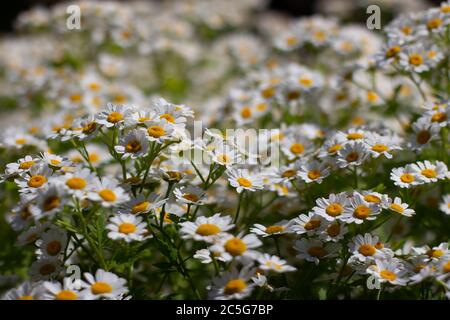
<point x="364" y="247"/>
<point x="49" y="201"/>
<point x="45" y="268"/>
<point x="242" y="179"/>
<point x="380" y="145"/>
<point x="279" y="228"/>
<point x="359" y="210"/>
<point x="405" y="177"/>
<point x="108" y="193"/>
<point x="315" y="250"/>
<point x="113" y="116"/>
<point x="103" y="285"/>
<point x="191" y="195"/>
<point x="310" y="224"/>
<point x="54" y="161"/>
<point x="413" y="59"/>
<point x="159" y="131"/>
<point x="333" y="207"/>
<point x="142" y="204"/>
<point x="53" y="242"/>
<point x="424" y="131"/>
<point x="25" y="291"/>
<point x="352" y="154"/>
<point x="334" y="232"/>
<point x="399" y="207"/>
<point x="79" y="182"/>
<point x="206" y="229"/>
<point x="429" y="172"/>
<point x="389" y="271"/>
<point x="54" y="290"/>
<point x="314" y="171"/>
<point x="127" y="227"/>
<point x="21" y="166"/>
<point x="237" y="247"/>
<point x="232" y="285"/>
<point x="37" y="178"/>
<point x="274" y="263"/>
<point x="133" y="145"/>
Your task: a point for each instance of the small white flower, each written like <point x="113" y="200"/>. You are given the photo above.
<point x="274" y="263"/>
<point x="242" y="179"/>
<point x="315" y="250"/>
<point x="333" y="207"/>
<point x="133" y="145"/>
<point x="429" y="172"/>
<point x="359" y="210"/>
<point x="444" y="206"/>
<point x="126" y="227"/>
<point x="401" y="208"/>
<point x="103" y="285"/>
<point x="314" y="171"/>
<point x="108" y="193"/>
<point x="189" y="195"/>
<point x="352" y="154"/>
<point x="206" y="229"/>
<point x="405" y="177"/>
<point x="232" y="285"/>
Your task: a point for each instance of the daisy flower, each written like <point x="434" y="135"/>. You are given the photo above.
<point x="49" y="201"/>
<point x="54" y="290"/>
<point x="380" y="145"/>
<point x="315" y="250"/>
<point x="206" y="229"/>
<point x="133" y="145"/>
<point x="389" y="270"/>
<point x="45" y="268"/>
<point x="54" y="161"/>
<point x="314" y="171"/>
<point x="189" y="195"/>
<point x="78" y="183"/>
<point x="273" y="263"/>
<point x="365" y="247"/>
<point x="413" y="59"/>
<point x="114" y="115"/>
<point x="159" y="131"/>
<point x="142" y="204"/>
<point x="359" y="210"/>
<point x="333" y="207"/>
<point x="107" y="192"/>
<point x="376" y="197"/>
<point x="335" y="231"/>
<point x="85" y="128"/>
<point x="279" y="228"/>
<point x="53" y="242"/>
<point x="405" y="177"/>
<point x="401" y="208"/>
<point x="25" y="291"/>
<point x="310" y="224"/>
<point x="352" y="154"/>
<point x="126" y="227"/>
<point x="237" y="247"/>
<point x="232" y="285"/>
<point x="444" y="206"/>
<point x="242" y="179"/>
<point x="103" y="284"/>
<point x="424" y="131"/>
<point x="37" y="178"/>
<point x="429" y="172"/>
<point x="21" y="166"/>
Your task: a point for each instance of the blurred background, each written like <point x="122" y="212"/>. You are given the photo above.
<point x="345" y="9"/>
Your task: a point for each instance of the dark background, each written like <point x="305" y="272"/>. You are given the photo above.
<point x="10" y="8"/>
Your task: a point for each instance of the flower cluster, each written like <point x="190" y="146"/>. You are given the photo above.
<point x="211" y="149"/>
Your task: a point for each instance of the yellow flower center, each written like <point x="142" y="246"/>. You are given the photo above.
<point x="423" y="137"/>
<point x="429" y="173"/>
<point x="133" y="146"/>
<point x="274" y="229"/>
<point x="168" y="117"/>
<point x="25" y="298"/>
<point x="26" y="165"/>
<point x="223" y="158"/>
<point x="235" y="247"/>
<point x="89" y="128"/>
<point x="362" y="212"/>
<point x="235" y="286"/>
<point x="435" y="253"/>
<point x="51" y="203"/>
<point x="392" y="51"/>
<point x="21" y="141"/>
<point x="268" y="92"/>
<point x="445" y="9"/>
<point x="94" y="86"/>
<point x="76" y="183"/>
<point x="372" y="96"/>
<point x="289" y="173"/>
<point x="335" y="148"/>
<point x="372" y="198"/>
<point x="367" y="250"/>
<point x="446" y="267"/>
<point x="317" y="252"/>
<point x="355" y="136"/>
<point x="191" y="197"/>
<point x="415" y="59"/>
<point x="314" y="174"/>
<point x="352" y="156"/>
<point x="388" y="275"/>
<point x="307" y="82"/>
<point x="407" y="30"/>
<point x="107" y="195"/>
<point x="246" y="112"/>
<point x="379" y="147"/>
<point x="334" y="209"/>
<point x="434" y="23"/>
<point x="47" y="269"/>
<point x="407" y="178"/>
<point x="156" y="131"/>
<point x="291" y="41"/>
<point x="438" y="117"/>
<point x="297" y="148"/>
<point x="127" y="228"/>
<point x="37" y="181"/>
<point x="312" y="224"/>
<point x="53" y="247"/>
<point x="207" y="229"/>
<point x="94" y="157"/>
<point x="396" y="207"/>
<point x="334" y="230"/>
<point x="101" y="288"/>
<point x="66" y="295"/>
<point x="55" y="162"/>
<point x="140" y="207"/>
<point x="243" y="182"/>
<point x="114" y="117"/>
